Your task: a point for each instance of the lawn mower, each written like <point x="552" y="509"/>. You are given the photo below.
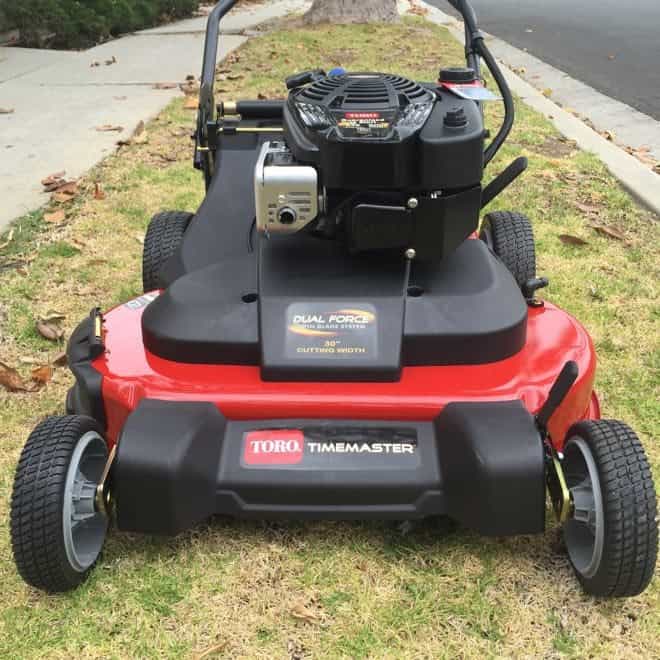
<point x="335" y="334"/>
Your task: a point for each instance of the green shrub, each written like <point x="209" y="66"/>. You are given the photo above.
<point x="83" y="23"/>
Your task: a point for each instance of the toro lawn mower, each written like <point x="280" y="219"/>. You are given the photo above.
<point x="328" y="336"/>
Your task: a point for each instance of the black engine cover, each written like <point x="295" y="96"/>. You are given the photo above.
<point x="380" y="131"/>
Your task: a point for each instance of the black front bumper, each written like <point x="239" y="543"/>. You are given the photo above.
<point x="179" y="463"/>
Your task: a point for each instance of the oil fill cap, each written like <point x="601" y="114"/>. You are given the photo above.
<point x="455" y="118"/>
<point x="457" y="75"/>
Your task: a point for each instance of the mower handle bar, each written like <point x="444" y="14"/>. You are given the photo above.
<point x="474" y="48"/>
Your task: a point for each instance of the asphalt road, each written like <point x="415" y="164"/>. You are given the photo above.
<point x="612" y="45"/>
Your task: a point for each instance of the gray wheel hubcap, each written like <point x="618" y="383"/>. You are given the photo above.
<point x="584" y="532"/>
<point x="84" y="527"/>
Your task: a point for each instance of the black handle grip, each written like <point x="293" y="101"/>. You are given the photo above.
<point x="567" y="376"/>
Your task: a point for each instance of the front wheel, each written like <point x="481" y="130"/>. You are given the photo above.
<point x="57" y="533"/>
<point x="510" y="236"/>
<point x="163" y="238"/>
<point x="612" y="534"/>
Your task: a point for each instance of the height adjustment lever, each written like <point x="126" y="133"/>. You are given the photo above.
<point x="567" y="376"/>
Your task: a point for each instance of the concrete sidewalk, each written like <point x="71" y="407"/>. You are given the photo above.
<point x="58" y="98"/>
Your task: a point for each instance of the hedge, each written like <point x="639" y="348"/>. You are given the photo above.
<point x="83" y="23"/>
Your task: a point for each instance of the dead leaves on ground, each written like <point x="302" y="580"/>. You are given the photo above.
<point x="12" y="381"/>
<point x="568" y="239"/>
<point x="48" y="326"/>
<point x="610" y="232"/>
<point x="55" y="217"/>
<point x="109" y="128"/>
<point x="99" y="193"/>
<point x="61" y="189"/>
<point x="139" y="136"/>
<point x="307" y="610"/>
<point x="6" y="111"/>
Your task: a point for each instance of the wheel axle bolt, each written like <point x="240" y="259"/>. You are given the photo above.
<point x="413" y="203"/>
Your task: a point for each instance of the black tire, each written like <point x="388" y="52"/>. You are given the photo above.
<point x="625" y="564"/>
<point x="38" y="503"/>
<point x="163" y="238"/>
<point x="511" y="237"/>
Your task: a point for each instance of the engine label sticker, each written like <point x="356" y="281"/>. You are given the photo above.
<point x="331" y="330"/>
<point x="344" y="448"/>
<point x="363" y="124"/>
<point x="142" y="301"/>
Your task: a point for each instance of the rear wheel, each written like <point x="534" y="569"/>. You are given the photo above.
<point x="164" y="237"/>
<point x="612" y="535"/>
<point x="510" y="236"/>
<point x="57" y="533"/>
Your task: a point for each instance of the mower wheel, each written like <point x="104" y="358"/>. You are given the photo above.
<point x="57" y="533"/>
<point x="510" y="236"/>
<point x="612" y="534"/>
<point x="163" y="238"/>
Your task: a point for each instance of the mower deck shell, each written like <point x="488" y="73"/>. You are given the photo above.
<point x="129" y="374"/>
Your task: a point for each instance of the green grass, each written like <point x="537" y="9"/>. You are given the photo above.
<point x="375" y="592"/>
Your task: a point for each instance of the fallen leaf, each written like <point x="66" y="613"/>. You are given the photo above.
<point x="61" y="198"/>
<point x="94" y="63"/>
<point x="11" y="380"/>
<point x="300" y="611"/>
<point x="212" y="650"/>
<point x="139" y="238"/>
<point x="608" y="135"/>
<point x="66" y="187"/>
<point x="49" y="331"/>
<point x="56" y="217"/>
<point x="98" y="191"/>
<point x="52" y="178"/>
<point x="547" y="92"/>
<point x="112" y="60"/>
<point x="109" y="128"/>
<point x="53" y="317"/>
<point x="42" y="375"/>
<point x="60" y="360"/>
<point x="139" y="129"/>
<point x="120" y="98"/>
<point x="26" y="359"/>
<point x="610" y="233"/>
<point x="234" y="76"/>
<point x="165" y="85"/>
<point x="587" y="208"/>
<point x="6" y="111"/>
<point x="567" y="239"/>
<point x="191" y="103"/>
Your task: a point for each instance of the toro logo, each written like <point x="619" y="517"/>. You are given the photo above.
<point x="274" y="447"/>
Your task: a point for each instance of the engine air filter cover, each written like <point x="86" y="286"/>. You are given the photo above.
<point x="370" y="130"/>
<point x="364" y="106"/>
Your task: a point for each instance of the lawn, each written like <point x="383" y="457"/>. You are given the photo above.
<point x="263" y="590"/>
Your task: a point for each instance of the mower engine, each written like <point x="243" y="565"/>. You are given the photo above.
<point x="376" y="160"/>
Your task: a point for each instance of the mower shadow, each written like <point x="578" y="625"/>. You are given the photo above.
<point x="390" y="540"/>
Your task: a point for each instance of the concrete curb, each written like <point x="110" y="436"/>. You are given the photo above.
<point x="642" y="183"/>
